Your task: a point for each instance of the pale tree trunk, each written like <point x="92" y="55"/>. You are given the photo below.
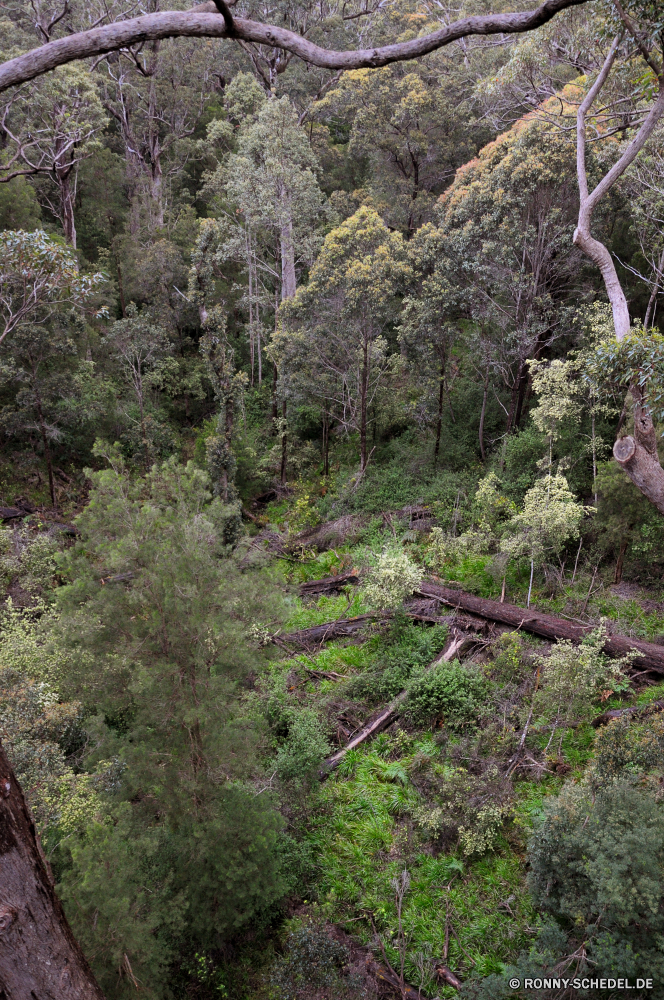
<point x="364" y="389"/>
<point x="40" y="958"/>
<point x="636" y="454"/>
<point x="439" y="419"/>
<point x="482" y="416"/>
<point x="287" y="247"/>
<point x="288" y="281"/>
<point x="66" y="177"/>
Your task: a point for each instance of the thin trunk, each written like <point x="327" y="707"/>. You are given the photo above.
<point x="47" y="450"/>
<point x="482" y="415"/>
<point x="364" y="385"/>
<point x="66" y="178"/>
<point x="525" y="378"/>
<point x="530" y="586"/>
<point x="144" y="431"/>
<point x="39" y="955"/>
<point x="274" y="396"/>
<point x="326" y="440"/>
<point x="229" y="418"/>
<point x="594" y="452"/>
<point x="439" y="421"/>
<point x="284" y="446"/>
<point x="650" y="311"/>
<point x="621" y="557"/>
<point x="121" y="291"/>
<point x="288" y="281"/>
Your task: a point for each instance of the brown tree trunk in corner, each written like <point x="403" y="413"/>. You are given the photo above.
<point x="619" y="565"/>
<point x="40" y="958"/>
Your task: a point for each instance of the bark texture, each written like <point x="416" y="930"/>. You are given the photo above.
<point x="200" y="22"/>
<point x="39" y="957"/>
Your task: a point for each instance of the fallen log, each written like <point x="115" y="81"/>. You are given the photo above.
<point x="341" y="627"/>
<point x="384" y="975"/>
<point x="389" y="715"/>
<point x="446" y="976"/>
<point x="329" y="584"/>
<point x="337" y="629"/>
<point x="9" y="513"/>
<point x="650" y="658"/>
<point x="617" y="713"/>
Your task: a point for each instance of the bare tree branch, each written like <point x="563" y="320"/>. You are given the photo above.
<point x="199" y="23"/>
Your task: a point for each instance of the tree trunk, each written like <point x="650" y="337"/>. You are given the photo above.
<point x="482" y="415"/>
<point x="47" y="453"/>
<point x="123" y="307"/>
<point x="67" y="191"/>
<point x="617" y="577"/>
<point x="39" y="957"/>
<point x="651" y="656"/>
<point x="284" y="446"/>
<point x="650" y="311"/>
<point x="274" y="396"/>
<point x="364" y="388"/>
<point x="326" y="440"/>
<point x="439" y="421"/>
<point x="288" y="281"/>
<point x="637" y="455"/>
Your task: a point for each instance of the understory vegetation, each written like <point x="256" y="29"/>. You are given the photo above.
<point x="261" y="326"/>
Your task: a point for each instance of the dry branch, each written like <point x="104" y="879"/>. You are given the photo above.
<point x="204" y="21"/>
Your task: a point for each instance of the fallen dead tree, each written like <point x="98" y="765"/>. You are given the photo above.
<point x="309" y="638"/>
<point x="328" y="585"/>
<point x="618" y="713"/>
<point x="651" y="656"/>
<point x="458" y="642"/>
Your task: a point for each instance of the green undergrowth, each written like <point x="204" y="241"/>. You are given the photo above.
<point x="366" y="833"/>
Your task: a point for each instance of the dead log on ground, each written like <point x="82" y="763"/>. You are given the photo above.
<point x="651" y="656"/>
<point x="447" y="976"/>
<point x="328" y="585"/>
<point x="384" y="975"/>
<point x="387" y="716"/>
<point x="617" y="713"/>
<point x="313" y="636"/>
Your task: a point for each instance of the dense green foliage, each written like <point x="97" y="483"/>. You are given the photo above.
<point x="262" y="324"/>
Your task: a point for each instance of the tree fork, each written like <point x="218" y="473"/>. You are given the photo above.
<point x="40" y="958"/>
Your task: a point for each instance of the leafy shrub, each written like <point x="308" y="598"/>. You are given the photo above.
<point x="598" y="862"/>
<point x="449" y="690"/>
<point x="393" y="579"/>
<point x="406" y="650"/>
<point x="305" y="748"/>
<point x="310" y="967"/>
<point x="575" y="676"/>
<point x="626" y="747"/>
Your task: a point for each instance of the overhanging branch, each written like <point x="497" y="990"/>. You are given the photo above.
<point x="204" y="22"/>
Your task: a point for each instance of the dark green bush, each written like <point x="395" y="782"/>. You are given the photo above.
<point x="406" y="649"/>
<point x="455" y="692"/>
